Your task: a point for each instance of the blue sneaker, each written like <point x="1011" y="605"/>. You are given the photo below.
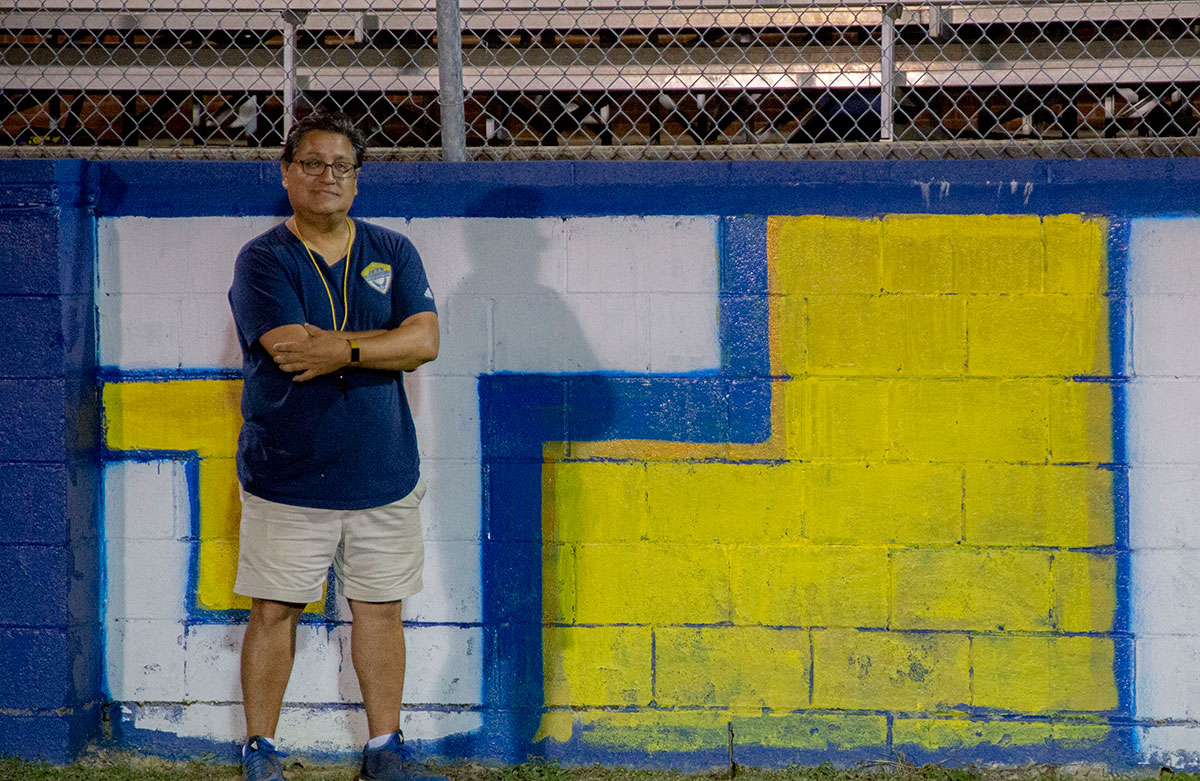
<point x="393" y="761"/>
<point x="261" y="762"/>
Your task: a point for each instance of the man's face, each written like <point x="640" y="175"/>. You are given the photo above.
<point x="324" y="194"/>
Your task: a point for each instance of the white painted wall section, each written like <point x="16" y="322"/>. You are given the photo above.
<point x="622" y="294"/>
<point x="1164" y="455"/>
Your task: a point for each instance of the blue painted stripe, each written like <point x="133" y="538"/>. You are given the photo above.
<point x="520" y="413"/>
<point x="1123" y="664"/>
<point x="115" y="374"/>
<point x="587" y="188"/>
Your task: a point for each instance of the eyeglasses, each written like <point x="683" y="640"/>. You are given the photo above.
<point x="341" y="169"/>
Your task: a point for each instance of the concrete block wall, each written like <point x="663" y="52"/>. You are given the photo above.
<point x="514" y="294"/>
<point x="845" y="461"/>
<point x="50" y="570"/>
<point x="1164" y="397"/>
<point x="919" y="555"/>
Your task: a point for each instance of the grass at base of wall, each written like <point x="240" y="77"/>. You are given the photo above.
<point x="108" y="766"/>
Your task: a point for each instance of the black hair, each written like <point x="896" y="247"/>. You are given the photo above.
<point x="329" y="122"/>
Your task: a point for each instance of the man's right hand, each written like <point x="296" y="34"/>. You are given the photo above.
<point x="311" y="354"/>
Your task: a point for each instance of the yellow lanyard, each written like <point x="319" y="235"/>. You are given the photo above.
<point x="345" y="278"/>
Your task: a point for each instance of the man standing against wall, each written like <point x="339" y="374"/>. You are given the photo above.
<point x="330" y="312"/>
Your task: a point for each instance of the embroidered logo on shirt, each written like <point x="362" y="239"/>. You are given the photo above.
<point x="378" y="276"/>
<point x="429" y="294"/>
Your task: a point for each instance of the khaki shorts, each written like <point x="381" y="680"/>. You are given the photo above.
<point x="285" y="551"/>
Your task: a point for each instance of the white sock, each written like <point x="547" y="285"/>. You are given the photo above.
<point x="378" y="741"/>
<point x="263" y="742"/>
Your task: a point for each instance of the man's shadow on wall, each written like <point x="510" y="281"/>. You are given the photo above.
<point x="544" y="384"/>
<point x="534" y="328"/>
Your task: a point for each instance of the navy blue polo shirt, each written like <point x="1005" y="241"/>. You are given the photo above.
<point x="327" y="443"/>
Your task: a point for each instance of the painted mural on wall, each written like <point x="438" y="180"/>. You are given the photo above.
<point x="838" y="487"/>
<point x="918" y="556"/>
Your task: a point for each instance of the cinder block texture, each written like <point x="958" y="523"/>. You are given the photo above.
<point x="1166" y="685"/>
<point x="738" y="667"/>
<point x="1165" y="581"/>
<point x="932" y="531"/>
<point x="977" y="589"/>
<point x="599" y="666"/>
<point x="1035" y="674"/>
<point x="1163" y="404"/>
<point x="35" y="344"/>
<point x="1164" y="421"/>
<point x="34" y="501"/>
<point x="34" y="424"/>
<point x="1166" y="501"/>
<point x="50" y="635"/>
<point x="159" y="308"/>
<point x="38" y="669"/>
<point x="890" y="670"/>
<point x="929" y="488"/>
<point x="145" y="661"/>
<point x="1156" y="247"/>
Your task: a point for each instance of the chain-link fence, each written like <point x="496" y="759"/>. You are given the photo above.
<point x="655" y="79"/>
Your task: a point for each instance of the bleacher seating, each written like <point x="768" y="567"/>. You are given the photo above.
<point x="550" y="74"/>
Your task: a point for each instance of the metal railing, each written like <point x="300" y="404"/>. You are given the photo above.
<point x="657" y="79"/>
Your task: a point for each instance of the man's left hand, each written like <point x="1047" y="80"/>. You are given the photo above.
<point x="321" y="353"/>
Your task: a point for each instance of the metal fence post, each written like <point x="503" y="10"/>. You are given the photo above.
<point x="291" y="21"/>
<point x="887" y="74"/>
<point x="450" y="81"/>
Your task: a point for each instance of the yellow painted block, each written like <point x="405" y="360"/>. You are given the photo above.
<point x="969" y="420"/>
<point x="971" y="588"/>
<point x="723" y="502"/>
<point x="655" y="730"/>
<point x="998" y="254"/>
<point x="890" y="335"/>
<point x="216" y="575"/>
<point x="187" y="415"/>
<point x="598" y="501"/>
<point x="890" y="670"/>
<point x="792" y="334"/>
<point x="918" y="254"/>
<point x="220" y="502"/>
<point x="696" y="730"/>
<point x="1076" y="254"/>
<point x="1085" y="591"/>
<point x="220" y="520"/>
<point x="987" y="253"/>
<point x="1033" y="674"/>
<point x="811" y="732"/>
<point x="1081" y="422"/>
<point x="815" y="254"/>
<point x="790" y="586"/>
<point x="883" y="502"/>
<point x="836" y="418"/>
<point x="731" y="666"/>
<point x="597" y="666"/>
<point x="652" y="583"/>
<point x="1081" y="734"/>
<point x="950" y="734"/>
<point x="1038" y="335"/>
<point x="1034" y="504"/>
<point x="559" y="592"/>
